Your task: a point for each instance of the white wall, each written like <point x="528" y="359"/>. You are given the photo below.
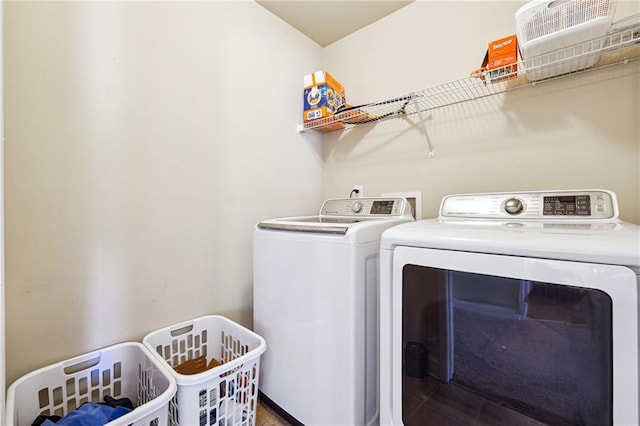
<point x="144" y="141"/>
<point x="578" y="132"/>
<point x="2" y="321"/>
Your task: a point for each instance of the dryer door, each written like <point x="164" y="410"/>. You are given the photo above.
<point x="508" y="340"/>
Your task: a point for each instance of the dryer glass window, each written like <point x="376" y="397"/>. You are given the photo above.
<point x="494" y="350"/>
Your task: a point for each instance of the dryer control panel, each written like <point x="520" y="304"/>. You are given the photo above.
<point x="556" y="205"/>
<point x="369" y="207"/>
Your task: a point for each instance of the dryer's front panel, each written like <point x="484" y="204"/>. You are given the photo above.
<point x="508" y="340"/>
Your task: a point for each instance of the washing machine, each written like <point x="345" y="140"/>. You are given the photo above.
<point x="511" y="308"/>
<point x="315" y="303"/>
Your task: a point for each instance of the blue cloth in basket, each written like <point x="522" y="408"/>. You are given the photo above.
<point x="90" y="414"/>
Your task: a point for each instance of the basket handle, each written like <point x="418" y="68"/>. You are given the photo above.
<point x="556" y="3"/>
<point x="81" y="363"/>
<point x="181" y="329"/>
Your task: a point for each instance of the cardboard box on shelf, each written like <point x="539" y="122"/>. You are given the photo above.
<point x="330" y="126"/>
<point x="323" y="94"/>
<point x="348" y="114"/>
<point x="500" y="60"/>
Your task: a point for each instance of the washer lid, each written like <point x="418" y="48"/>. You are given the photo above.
<point x="325" y="225"/>
<point x="338" y="215"/>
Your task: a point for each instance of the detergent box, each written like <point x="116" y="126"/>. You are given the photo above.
<point x="323" y="94"/>
<point x="501" y="59"/>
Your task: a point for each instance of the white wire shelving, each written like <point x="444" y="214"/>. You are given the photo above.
<point x="618" y="47"/>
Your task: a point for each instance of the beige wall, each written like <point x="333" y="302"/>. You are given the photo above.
<point x="579" y="132"/>
<point x="2" y="319"/>
<point x="143" y="141"/>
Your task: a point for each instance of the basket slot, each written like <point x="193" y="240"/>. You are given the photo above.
<point x="43" y="397"/>
<point x="83" y="389"/>
<point x="106" y="377"/>
<point x="57" y="396"/>
<point x="95" y="378"/>
<point x="71" y="405"/>
<point x="71" y="387"/>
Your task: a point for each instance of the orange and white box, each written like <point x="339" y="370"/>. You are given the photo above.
<point x="501" y="60"/>
<point x="323" y="94"/>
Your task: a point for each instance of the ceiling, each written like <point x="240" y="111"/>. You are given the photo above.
<point x="326" y="21"/>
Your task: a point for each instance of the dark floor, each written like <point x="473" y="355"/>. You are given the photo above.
<point x="448" y="404"/>
<point x="266" y="416"/>
<point x="442" y="404"/>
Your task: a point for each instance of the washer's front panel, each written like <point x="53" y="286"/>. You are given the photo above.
<point x="315" y="305"/>
<point x="364" y="207"/>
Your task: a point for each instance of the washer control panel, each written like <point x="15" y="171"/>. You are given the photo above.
<point x="571" y="204"/>
<point x="371" y="207"/>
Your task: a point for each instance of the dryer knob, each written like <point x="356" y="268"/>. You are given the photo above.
<point x="513" y="206"/>
<point x="356" y="207"/>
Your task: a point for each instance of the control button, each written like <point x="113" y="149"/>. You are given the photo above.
<point x="600" y="208"/>
<point x="356" y="207"/>
<point x="513" y="206"/>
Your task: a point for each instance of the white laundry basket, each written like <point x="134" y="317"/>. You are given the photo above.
<point x="225" y="395"/>
<point x="125" y="370"/>
<point x="558" y="36"/>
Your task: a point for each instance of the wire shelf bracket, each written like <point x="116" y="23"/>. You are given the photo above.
<point x="424" y="128"/>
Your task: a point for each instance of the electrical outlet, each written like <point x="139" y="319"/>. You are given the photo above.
<point x="357" y="191"/>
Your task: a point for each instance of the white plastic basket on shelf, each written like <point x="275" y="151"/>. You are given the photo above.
<point x="553" y="35"/>
<point x="224" y="395"/>
<point x="126" y="370"/>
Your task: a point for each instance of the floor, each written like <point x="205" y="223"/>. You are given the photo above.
<point x="265" y="416"/>
<point x="452" y="406"/>
<point x="444" y="405"/>
<point x="449" y="406"/>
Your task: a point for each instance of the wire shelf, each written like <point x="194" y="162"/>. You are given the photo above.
<point x="620" y="46"/>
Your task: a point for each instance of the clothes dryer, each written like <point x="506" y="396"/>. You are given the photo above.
<point x="315" y="304"/>
<point x="511" y="308"/>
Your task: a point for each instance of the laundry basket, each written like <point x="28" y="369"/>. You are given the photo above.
<point x="125" y="370"/>
<point x="224" y="395"/>
<point x="561" y="36"/>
